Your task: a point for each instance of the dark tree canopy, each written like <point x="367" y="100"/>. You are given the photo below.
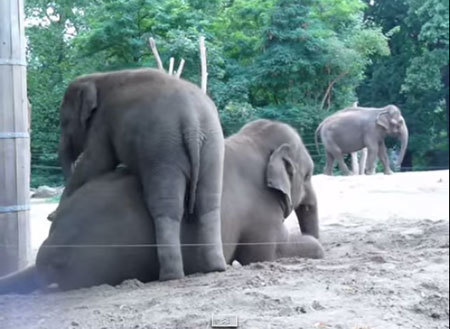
<point x="289" y="60"/>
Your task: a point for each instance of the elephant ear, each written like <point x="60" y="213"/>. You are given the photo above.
<point x="88" y="102"/>
<point x="279" y="174"/>
<point x="383" y="120"/>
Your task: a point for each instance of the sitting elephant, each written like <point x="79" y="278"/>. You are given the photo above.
<point x="267" y="175"/>
<point x="168" y="133"/>
<point x="356" y="128"/>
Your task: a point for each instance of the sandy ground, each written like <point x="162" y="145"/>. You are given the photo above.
<point x="387" y="266"/>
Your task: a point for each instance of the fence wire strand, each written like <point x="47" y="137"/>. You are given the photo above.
<point x="188" y="245"/>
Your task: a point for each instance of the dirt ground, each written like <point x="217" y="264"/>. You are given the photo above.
<point x="387" y="266"/>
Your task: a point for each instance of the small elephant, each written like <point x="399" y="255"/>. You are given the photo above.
<point x="356" y="128"/>
<point x="267" y="174"/>
<point x="167" y="132"/>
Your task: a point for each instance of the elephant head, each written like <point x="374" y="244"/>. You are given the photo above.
<point x="77" y="111"/>
<point x="392" y="121"/>
<point x="288" y="174"/>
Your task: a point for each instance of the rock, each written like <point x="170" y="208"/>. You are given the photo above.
<point x="44" y="192"/>
<point x="413" y="232"/>
<point x="316" y="306"/>
<point x="236" y="265"/>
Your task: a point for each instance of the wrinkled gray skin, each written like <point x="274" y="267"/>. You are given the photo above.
<point x="267" y="174"/>
<point x="353" y="129"/>
<point x="167" y="132"/>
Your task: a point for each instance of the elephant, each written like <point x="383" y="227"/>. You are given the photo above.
<point x="168" y="133"/>
<point x="267" y="174"/>
<point x="356" y="128"/>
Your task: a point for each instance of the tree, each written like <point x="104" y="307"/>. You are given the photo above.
<point x="53" y="25"/>
<point x="311" y="64"/>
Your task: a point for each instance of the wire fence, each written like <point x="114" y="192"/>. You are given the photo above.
<point x="46" y="165"/>
<point x="154" y="245"/>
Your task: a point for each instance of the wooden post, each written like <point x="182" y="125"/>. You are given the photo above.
<point x="154" y="49"/>
<point x="204" y="64"/>
<point x="180" y="68"/>
<point x="14" y="140"/>
<point x="171" y="65"/>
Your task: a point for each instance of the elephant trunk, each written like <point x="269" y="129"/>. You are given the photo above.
<point x="22" y="282"/>
<point x="404" y="138"/>
<point x="66" y="156"/>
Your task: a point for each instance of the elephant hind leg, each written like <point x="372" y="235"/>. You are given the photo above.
<point x="355" y="164"/>
<point x="371" y="159"/>
<point x="164" y="191"/>
<point x="340" y="159"/>
<point x="329" y="165"/>
<point x="207" y="206"/>
<point x="363" y="161"/>
<point x="253" y="250"/>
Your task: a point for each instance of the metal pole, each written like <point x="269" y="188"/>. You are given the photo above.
<point x="14" y="140"/>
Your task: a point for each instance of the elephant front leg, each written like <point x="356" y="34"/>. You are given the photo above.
<point x="301" y="246"/>
<point x="382" y="154"/>
<point x="98" y="159"/>
<point x="308" y="214"/>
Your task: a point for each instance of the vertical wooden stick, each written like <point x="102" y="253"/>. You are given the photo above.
<point x="152" y="44"/>
<point x="180" y="68"/>
<point x="204" y="64"/>
<point x="171" y="65"/>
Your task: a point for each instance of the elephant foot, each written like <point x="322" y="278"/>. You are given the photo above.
<point x="169" y="274"/>
<point x="210" y="240"/>
<point x="389" y="172"/>
<point x="214" y="260"/>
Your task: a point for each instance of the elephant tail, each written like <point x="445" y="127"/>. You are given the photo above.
<point x="316" y="137"/>
<point x="193" y="141"/>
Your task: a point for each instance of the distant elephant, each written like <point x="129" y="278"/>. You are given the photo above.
<point x="167" y="132"/>
<point x="355" y="128"/>
<point x="267" y="174"/>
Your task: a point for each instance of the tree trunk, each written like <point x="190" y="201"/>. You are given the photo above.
<point x="14" y="140"/>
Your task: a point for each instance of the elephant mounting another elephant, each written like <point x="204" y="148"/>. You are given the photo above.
<point x="355" y="128"/>
<point x="168" y="133"/>
<point x="267" y="174"/>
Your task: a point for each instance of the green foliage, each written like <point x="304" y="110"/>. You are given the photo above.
<point x="288" y="60"/>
